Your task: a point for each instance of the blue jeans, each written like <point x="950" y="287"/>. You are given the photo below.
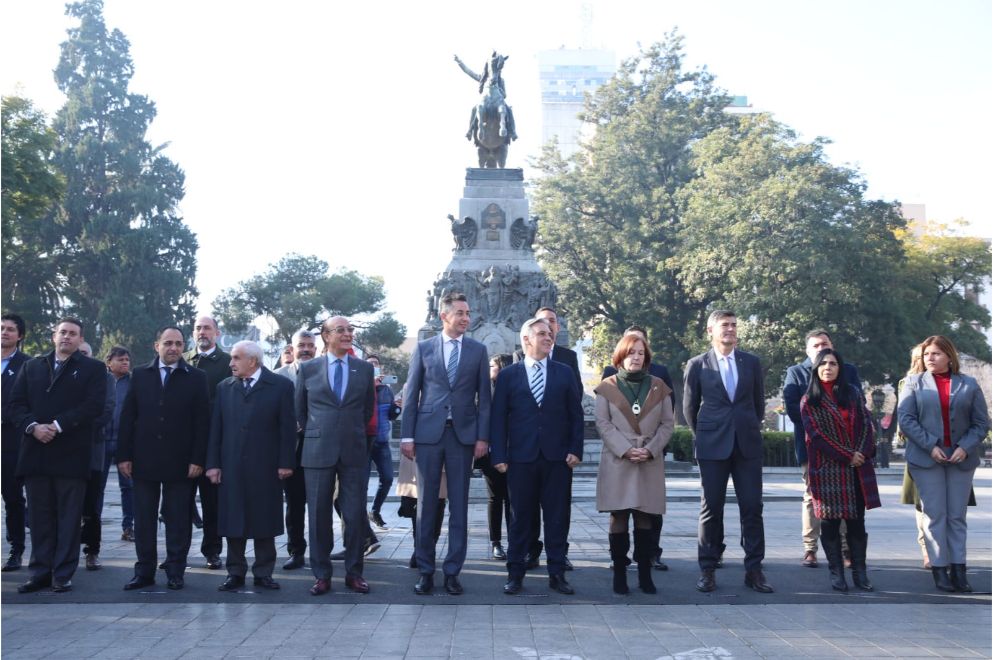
<point x="383" y="459"/>
<point x="125" y="484"/>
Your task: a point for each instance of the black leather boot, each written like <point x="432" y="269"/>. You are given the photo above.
<point x="836" y="562"/>
<point x="959" y="580"/>
<point x="941" y="580"/>
<point x="644" y="552"/>
<point x="620" y="543"/>
<point x="860" y="575"/>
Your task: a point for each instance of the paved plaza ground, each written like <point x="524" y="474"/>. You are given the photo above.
<point x="904" y="617"/>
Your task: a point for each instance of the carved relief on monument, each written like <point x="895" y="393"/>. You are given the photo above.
<point x="494" y="219"/>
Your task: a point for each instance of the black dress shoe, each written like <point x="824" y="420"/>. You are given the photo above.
<point x="176" y="583"/>
<point x="337" y="556"/>
<point x="513" y="586"/>
<point x="293" y="563"/>
<point x="658" y="564"/>
<point x="424" y="586"/>
<point x="568" y="564"/>
<point x="214" y="562"/>
<point x="162" y="566"/>
<point x="138" y="582"/>
<point x="560" y="584"/>
<point x="940" y="574"/>
<point x="62" y="587"/>
<point x="452" y="585"/>
<point x="232" y="583"/>
<point x="33" y="585"/>
<point x="498" y="552"/>
<point x="706" y="583"/>
<point x="13" y="562"/>
<point x="377" y="519"/>
<point x="755" y="580"/>
<point x="266" y="582"/>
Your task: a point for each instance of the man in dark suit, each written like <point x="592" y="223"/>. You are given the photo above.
<point x="162" y="447"/>
<point x="659" y="371"/>
<point x="250" y="453"/>
<point x="794" y="387"/>
<point x="92" y="530"/>
<point x="445" y="424"/>
<point x="57" y="399"/>
<point x="304" y="348"/>
<point x="724" y="404"/>
<point x="208" y="357"/>
<point x="335" y="397"/>
<point x="537" y="434"/>
<point x="12" y="331"/>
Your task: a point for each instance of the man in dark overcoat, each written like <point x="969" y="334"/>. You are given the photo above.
<point x="252" y="448"/>
<point x="12" y="329"/>
<point x="209" y="358"/>
<point x="57" y="399"/>
<point x="162" y="446"/>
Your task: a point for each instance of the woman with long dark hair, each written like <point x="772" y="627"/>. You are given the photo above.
<point x="840" y="446"/>
<point x="943" y="414"/>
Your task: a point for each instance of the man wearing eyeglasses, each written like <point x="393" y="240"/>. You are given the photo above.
<point x="335" y="397"/>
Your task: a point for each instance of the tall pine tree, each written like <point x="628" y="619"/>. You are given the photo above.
<point x="132" y="261"/>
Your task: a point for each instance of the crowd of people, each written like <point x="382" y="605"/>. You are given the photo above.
<point x="266" y="450"/>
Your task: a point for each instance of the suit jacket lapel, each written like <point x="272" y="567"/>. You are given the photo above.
<point x="716" y="366"/>
<point x="741" y="366"/>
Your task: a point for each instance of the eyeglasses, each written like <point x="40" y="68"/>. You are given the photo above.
<point x="343" y="330"/>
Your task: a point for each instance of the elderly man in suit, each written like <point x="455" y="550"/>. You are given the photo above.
<point x="12" y="330"/>
<point x="250" y="453"/>
<point x="162" y="447"/>
<point x="444" y="424"/>
<point x="794" y="387"/>
<point x="537" y="434"/>
<point x="209" y="358"/>
<point x="304" y="348"/>
<point x="335" y="397"/>
<point x="57" y="400"/>
<point x="724" y="404"/>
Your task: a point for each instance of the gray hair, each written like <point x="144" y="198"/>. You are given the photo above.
<point x="302" y="333"/>
<point x="251" y="349"/>
<point x="526" y="328"/>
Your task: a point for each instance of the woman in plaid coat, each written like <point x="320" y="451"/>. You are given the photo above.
<point x="840" y="445"/>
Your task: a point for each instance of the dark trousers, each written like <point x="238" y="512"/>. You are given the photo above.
<point x="498" y="504"/>
<point x="546" y="483"/>
<point x="747" y="476"/>
<point x="320" y="488"/>
<point x="457" y="461"/>
<point x="127" y="497"/>
<point x="265" y="557"/>
<point x="295" y="489"/>
<point x="178" y="525"/>
<point x="382" y="457"/>
<point x="92" y="510"/>
<point x="55" y="507"/>
<point x="211" y="543"/>
<point x="12" y="488"/>
<point x="535" y="547"/>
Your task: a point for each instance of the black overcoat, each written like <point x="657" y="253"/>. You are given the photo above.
<point x="163" y="430"/>
<point x="74" y="398"/>
<point x="252" y="436"/>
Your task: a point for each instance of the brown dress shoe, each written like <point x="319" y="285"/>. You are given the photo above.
<point x="755" y="580"/>
<point x="706" y="583"/>
<point x="320" y="588"/>
<point x="810" y="559"/>
<point x="357" y="584"/>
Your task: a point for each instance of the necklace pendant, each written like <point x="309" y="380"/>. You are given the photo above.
<point x="636" y="408"/>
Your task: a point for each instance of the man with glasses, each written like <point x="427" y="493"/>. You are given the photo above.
<point x="335" y="397"/>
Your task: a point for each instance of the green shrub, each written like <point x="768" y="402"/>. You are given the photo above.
<point x="778" y="450"/>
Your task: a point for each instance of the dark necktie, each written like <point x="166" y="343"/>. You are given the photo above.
<point x="58" y="365"/>
<point x="339" y="375"/>
<point x="166" y="372"/>
<point x="247" y="382"/>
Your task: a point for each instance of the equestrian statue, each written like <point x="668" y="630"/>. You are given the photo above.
<point x="491" y="124"/>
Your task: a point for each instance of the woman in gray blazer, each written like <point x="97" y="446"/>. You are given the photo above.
<point x="943" y="414"/>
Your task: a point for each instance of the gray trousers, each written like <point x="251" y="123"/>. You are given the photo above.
<point x="457" y="461"/>
<point x="265" y="557"/>
<point x="944" y="492"/>
<point x="352" y="487"/>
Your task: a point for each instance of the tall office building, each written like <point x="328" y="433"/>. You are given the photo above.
<point x="565" y="75"/>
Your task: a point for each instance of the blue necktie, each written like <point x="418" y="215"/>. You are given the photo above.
<point x="339" y="375"/>
<point x="729" y="383"/>
<point x="166" y="372"/>
<point x="453" y="362"/>
<point x="537" y="383"/>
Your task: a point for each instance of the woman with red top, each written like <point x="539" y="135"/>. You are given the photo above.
<point x="840" y="445"/>
<point x="944" y="417"/>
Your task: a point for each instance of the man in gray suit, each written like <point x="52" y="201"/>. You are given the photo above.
<point x="335" y="397"/>
<point x="724" y="404"/>
<point x="445" y="424"/>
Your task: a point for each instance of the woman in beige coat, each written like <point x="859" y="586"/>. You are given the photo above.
<point x="635" y="419"/>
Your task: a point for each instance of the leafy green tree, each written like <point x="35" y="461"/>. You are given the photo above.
<point x="130" y="260"/>
<point x="31" y="191"/>
<point x="299" y="292"/>
<point x="611" y="213"/>
<point x="775" y="232"/>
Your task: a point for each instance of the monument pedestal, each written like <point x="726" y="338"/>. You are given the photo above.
<point x="493" y="261"/>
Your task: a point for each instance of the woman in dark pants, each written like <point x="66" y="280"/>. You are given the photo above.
<point x="840" y="446"/>
<point x="498" y="504"/>
<point x="380" y="454"/>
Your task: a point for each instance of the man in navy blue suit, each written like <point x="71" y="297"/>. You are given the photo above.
<point x="536" y="436"/>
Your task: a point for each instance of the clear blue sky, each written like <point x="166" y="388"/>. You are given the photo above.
<point x="336" y="128"/>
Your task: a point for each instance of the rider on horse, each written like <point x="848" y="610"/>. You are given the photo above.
<point x="491" y="82"/>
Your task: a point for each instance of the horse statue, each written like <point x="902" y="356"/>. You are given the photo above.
<point x="491" y="123"/>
